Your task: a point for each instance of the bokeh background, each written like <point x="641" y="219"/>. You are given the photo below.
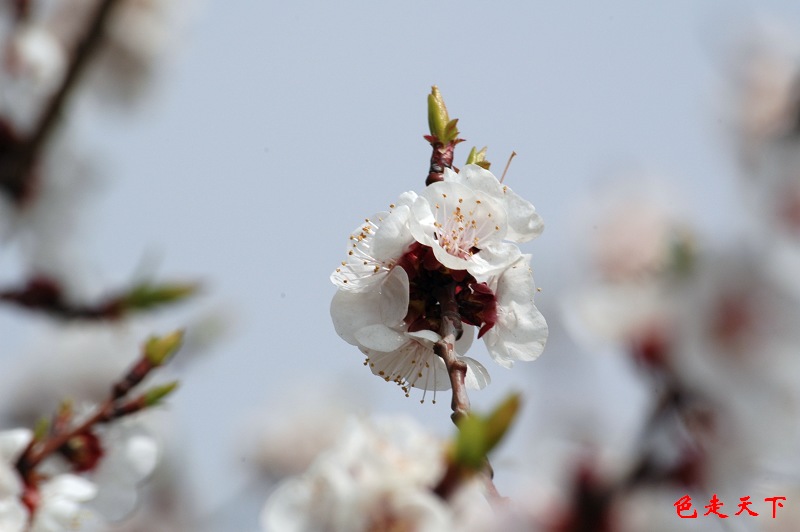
<point x="274" y="127"/>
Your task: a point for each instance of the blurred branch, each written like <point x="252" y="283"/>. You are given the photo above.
<point x="46" y="295"/>
<point x="18" y="157"/>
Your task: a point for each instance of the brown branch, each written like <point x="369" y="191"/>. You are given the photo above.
<point x="17" y="161"/>
<point x="450" y="330"/>
<point x="450" y="481"/>
<point x="456" y="474"/>
<point x="492" y="495"/>
<point x="35" y="454"/>
<point x="441" y="158"/>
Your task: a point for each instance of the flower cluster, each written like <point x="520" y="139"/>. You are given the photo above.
<point x="378" y="476"/>
<point x="61" y="495"/>
<point x="85" y="463"/>
<point x="450" y="251"/>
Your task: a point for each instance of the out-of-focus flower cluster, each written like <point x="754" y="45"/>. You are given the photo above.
<point x="456" y="240"/>
<point x="61" y="498"/>
<point x="379" y="475"/>
<point x="87" y="459"/>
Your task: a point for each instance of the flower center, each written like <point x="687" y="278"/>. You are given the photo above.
<point x="461" y="229"/>
<point x="427" y="278"/>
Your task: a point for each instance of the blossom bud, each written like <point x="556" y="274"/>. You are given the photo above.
<point x="154" y="396"/>
<point x="158" y="350"/>
<point x="439" y="122"/>
<point x="41" y="429"/>
<point x="83" y="451"/>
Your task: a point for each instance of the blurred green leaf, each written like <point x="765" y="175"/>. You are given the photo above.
<point x="479" y="435"/>
<point x="146" y="295"/>
<point x="471" y="442"/>
<point x="499" y="421"/>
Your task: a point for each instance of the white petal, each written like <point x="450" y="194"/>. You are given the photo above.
<point x="414" y="364"/>
<point x="425" y="336"/>
<point x="289" y="507"/>
<point x="394" y="297"/>
<point x="393" y="235"/>
<point x="13" y="442"/>
<point x="380" y="338"/>
<point x="69" y="486"/>
<point x="465" y="342"/>
<point x="141" y="455"/>
<point x="524" y="223"/>
<point x="477" y="376"/>
<point x="60" y="502"/>
<point x="493" y="259"/>
<point x="351" y="311"/>
<point x="422" y="223"/>
<point x="520" y="332"/>
<point x="10" y="481"/>
<point x="374" y="247"/>
<point x="13" y="515"/>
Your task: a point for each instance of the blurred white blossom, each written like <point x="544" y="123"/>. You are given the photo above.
<point x="378" y="476"/>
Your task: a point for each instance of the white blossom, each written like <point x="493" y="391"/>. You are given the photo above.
<point x="13" y="514"/>
<point x="373" y="321"/>
<point x="637" y="247"/>
<point x="34" y="64"/>
<point x="60" y="505"/>
<point x="58" y="497"/>
<point x="520" y="332"/>
<point x="524" y="223"/>
<point x="376" y="477"/>
<point x="459" y="223"/>
<point x="375" y="247"/>
<point x="131" y="455"/>
<point x="460" y="233"/>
